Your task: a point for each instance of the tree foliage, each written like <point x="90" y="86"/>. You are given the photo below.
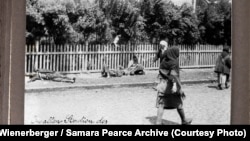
<point x="215" y="22"/>
<point x="99" y="21"/>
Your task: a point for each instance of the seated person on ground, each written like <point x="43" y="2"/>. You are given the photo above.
<point x="51" y="75"/>
<point x="134" y="68"/>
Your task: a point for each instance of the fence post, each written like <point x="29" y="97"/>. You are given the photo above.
<point x="36" y="50"/>
<point x="198" y="49"/>
<point x="77" y="58"/>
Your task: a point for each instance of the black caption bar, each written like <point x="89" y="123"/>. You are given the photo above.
<point x="168" y="131"/>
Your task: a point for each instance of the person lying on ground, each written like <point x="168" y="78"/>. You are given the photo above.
<point x="42" y="74"/>
<point x="134" y="67"/>
<point x="106" y="72"/>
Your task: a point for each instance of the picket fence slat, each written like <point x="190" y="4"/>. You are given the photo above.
<point x="81" y="58"/>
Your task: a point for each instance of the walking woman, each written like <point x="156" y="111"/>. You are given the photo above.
<point x="167" y="97"/>
<point x="169" y="64"/>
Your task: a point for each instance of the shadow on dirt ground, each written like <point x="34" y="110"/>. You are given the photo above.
<point x="152" y="120"/>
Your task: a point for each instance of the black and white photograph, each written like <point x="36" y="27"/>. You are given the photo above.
<point x="128" y="62"/>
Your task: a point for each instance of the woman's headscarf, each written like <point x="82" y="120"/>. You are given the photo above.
<point x="164" y="43"/>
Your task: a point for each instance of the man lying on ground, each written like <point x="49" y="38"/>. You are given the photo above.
<point x="42" y="74"/>
<point x="106" y="72"/>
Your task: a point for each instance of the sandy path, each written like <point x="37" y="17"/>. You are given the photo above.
<point x="204" y="103"/>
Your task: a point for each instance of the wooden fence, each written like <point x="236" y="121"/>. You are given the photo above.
<point x="80" y="58"/>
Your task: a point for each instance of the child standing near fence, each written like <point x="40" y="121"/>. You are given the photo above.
<point x="223" y="67"/>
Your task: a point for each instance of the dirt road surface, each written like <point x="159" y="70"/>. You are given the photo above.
<point x="125" y="106"/>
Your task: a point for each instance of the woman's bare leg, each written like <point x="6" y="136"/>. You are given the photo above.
<point x="160" y="112"/>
